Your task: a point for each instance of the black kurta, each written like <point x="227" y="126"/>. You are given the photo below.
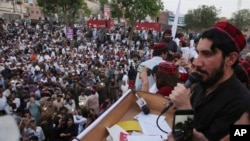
<point x="221" y="108"/>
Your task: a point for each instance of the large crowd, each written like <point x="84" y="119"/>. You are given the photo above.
<point x="59" y="85"/>
<point x="55" y="87"/>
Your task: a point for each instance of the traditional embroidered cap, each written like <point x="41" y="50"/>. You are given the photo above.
<point x="167" y="67"/>
<point x="233" y="33"/>
<point x="159" y="46"/>
<point x="167" y="31"/>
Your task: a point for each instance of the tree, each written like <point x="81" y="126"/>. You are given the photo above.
<point x="201" y="18"/>
<point x="241" y="19"/>
<point x="135" y="10"/>
<point x="70" y="9"/>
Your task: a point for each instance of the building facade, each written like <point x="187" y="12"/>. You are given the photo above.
<point x="163" y="19"/>
<point x="11" y="9"/>
<point x="33" y="10"/>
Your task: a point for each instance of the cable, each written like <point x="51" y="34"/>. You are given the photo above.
<point x="157" y="120"/>
<point x="162" y="112"/>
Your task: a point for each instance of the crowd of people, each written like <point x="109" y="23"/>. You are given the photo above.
<point x="55" y="86"/>
<point x="60" y="85"/>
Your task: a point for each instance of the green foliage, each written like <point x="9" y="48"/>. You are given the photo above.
<point x="241" y="19"/>
<point x="69" y="8"/>
<point x="201" y="18"/>
<point x="134" y="10"/>
<point x="102" y="3"/>
<point x="48" y="6"/>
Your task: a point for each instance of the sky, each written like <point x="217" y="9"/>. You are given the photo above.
<point x="227" y="6"/>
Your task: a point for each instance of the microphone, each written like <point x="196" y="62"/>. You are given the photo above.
<point x="142" y="104"/>
<point x="194" y="77"/>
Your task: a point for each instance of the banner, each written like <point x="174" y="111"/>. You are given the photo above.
<point x="148" y="26"/>
<point x="69" y="32"/>
<point x="100" y="23"/>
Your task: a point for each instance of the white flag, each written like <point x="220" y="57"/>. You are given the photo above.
<point x="176" y="17"/>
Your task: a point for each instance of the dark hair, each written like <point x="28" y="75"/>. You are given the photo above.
<point x="33" y="138"/>
<point x="241" y="74"/>
<point x="63" y="108"/>
<point x="163" y="79"/>
<point x="179" y="35"/>
<point x="154" y="70"/>
<point x="26" y="112"/>
<point x="56" y="119"/>
<point x="196" y="40"/>
<point x="220" y="41"/>
<point x="67" y="117"/>
<point x="184" y="43"/>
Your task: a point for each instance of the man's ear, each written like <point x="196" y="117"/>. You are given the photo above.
<point x="231" y="58"/>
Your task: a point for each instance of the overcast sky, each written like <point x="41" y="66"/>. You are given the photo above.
<point x="227" y="6"/>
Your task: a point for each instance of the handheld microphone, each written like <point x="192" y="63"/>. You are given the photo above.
<point x="142" y="104"/>
<point x="194" y="77"/>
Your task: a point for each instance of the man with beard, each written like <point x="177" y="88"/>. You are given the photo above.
<point x="219" y="99"/>
<point x="171" y="44"/>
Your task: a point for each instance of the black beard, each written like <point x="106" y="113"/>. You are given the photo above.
<point x="167" y="39"/>
<point x="215" y="77"/>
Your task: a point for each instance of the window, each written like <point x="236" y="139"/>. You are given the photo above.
<point x="32" y="12"/>
<point x="37" y="12"/>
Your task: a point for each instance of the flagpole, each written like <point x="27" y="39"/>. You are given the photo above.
<point x="176" y="17"/>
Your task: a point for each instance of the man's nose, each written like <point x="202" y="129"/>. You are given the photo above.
<point x="197" y="62"/>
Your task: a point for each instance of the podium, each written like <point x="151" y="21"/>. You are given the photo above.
<point x="124" y="109"/>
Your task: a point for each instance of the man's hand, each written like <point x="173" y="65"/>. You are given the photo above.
<point x="143" y="75"/>
<point x="144" y="79"/>
<point x="198" y="136"/>
<point x="180" y="97"/>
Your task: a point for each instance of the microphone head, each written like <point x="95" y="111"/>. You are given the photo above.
<point x="145" y="109"/>
<point x="194" y="77"/>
